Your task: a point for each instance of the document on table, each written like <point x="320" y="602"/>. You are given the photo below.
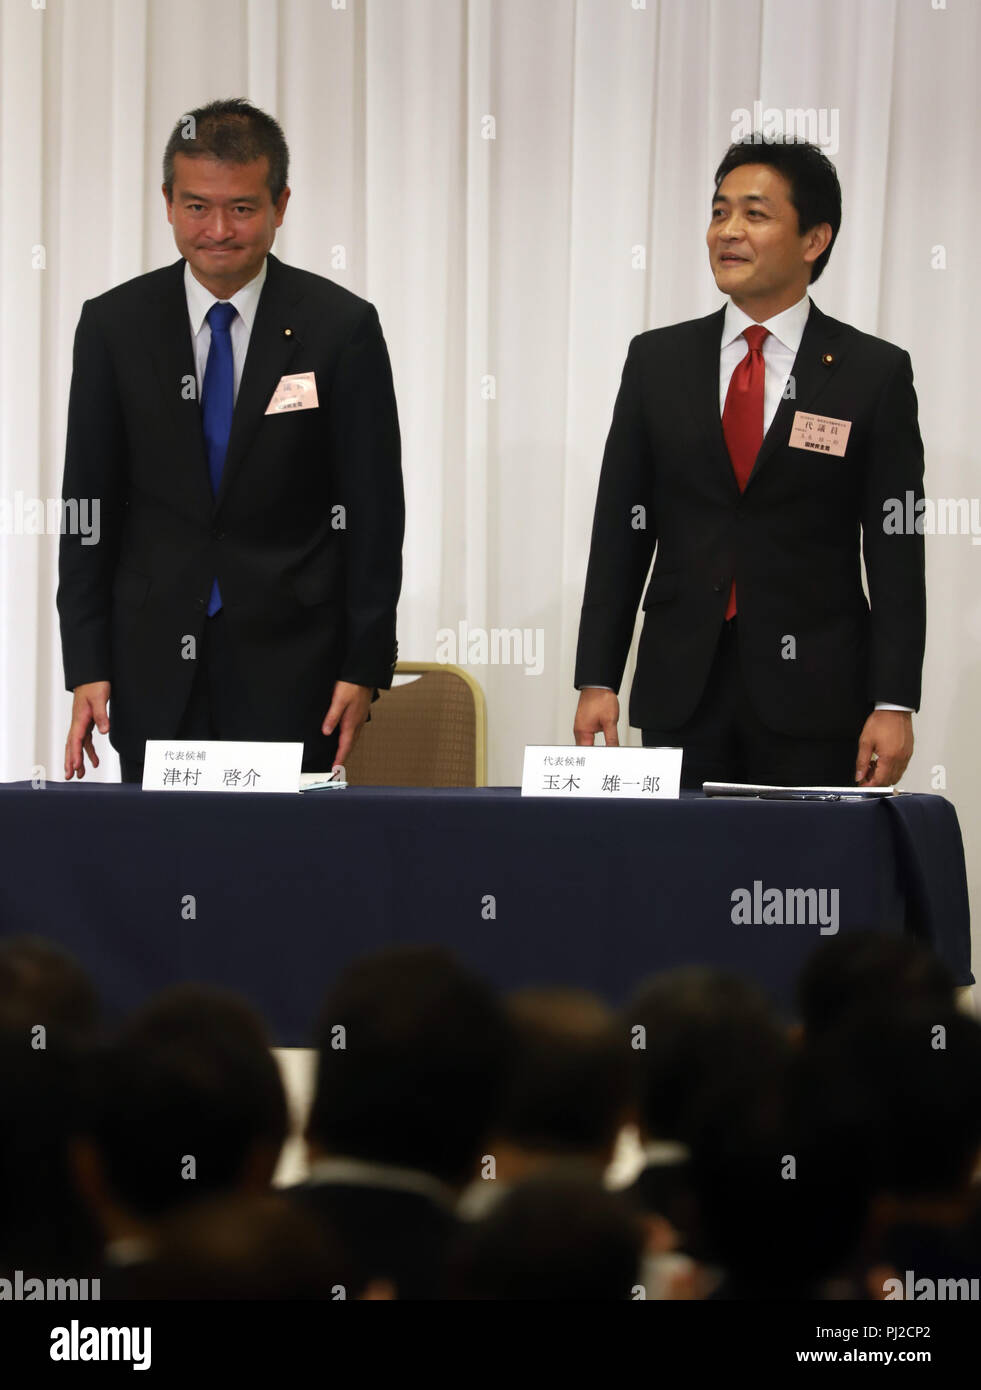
<point x="760" y="789"/>
<point x="320" y="782"/>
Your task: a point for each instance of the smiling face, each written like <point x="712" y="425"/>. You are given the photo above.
<point x="758" y="255"/>
<point x="224" y="219"/>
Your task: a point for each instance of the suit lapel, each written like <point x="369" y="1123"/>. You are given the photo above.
<point x="276" y="335"/>
<point x="702" y="378"/>
<point x="172" y="352"/>
<point x="810" y="373"/>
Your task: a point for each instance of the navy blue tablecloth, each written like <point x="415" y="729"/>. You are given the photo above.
<point x="286" y="889"/>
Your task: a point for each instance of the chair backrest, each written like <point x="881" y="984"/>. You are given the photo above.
<point x="429" y="732"/>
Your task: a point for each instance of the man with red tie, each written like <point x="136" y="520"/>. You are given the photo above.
<point x="755" y="454"/>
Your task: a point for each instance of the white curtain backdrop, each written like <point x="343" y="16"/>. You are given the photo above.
<point x="523" y="263"/>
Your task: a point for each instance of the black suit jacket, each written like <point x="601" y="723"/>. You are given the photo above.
<point x="385" y="1233"/>
<point x="304" y="536"/>
<point x="666" y="1190"/>
<point x="793" y="540"/>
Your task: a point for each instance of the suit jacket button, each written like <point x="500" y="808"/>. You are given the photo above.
<point x="199" y="603"/>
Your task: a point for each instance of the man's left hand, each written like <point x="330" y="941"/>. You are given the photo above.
<point x="889" y="734"/>
<point x="349" y="705"/>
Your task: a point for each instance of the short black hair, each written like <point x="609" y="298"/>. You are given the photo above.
<point x="44" y="1224"/>
<point x="233" y="131"/>
<point x="189" y="1075"/>
<point x="814" y="188"/>
<point x="570" y="1084"/>
<point x="906" y="1110"/>
<point x="553" y="1236"/>
<point x="709" y="1035"/>
<point x="781" y="1206"/>
<point x="415" y="1077"/>
<point x="40" y="984"/>
<point x="866" y="969"/>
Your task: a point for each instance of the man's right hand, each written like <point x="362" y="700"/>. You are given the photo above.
<point x="598" y="712"/>
<point x="89" y="708"/>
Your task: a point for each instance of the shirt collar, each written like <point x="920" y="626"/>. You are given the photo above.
<point x="360" y="1172"/>
<point x="787" y="326"/>
<point x="200" y="300"/>
<point x="127" y="1250"/>
<point x="661" y="1151"/>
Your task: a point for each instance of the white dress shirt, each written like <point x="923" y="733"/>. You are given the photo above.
<point x="780" y="346"/>
<point x="779" y="350"/>
<point x="361" y="1172"/>
<point x="200" y="300"/>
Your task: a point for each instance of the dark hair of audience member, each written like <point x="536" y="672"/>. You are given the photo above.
<point x="700" y="1039"/>
<point x="45" y="1228"/>
<point x="782" y="1204"/>
<point x="551" y="1236"/>
<point x="413" y="1054"/>
<point x="49" y="1015"/>
<point x="886" y="1127"/>
<point x="863" y="970"/>
<point x="902" y="1089"/>
<point x="243" y="1246"/>
<point x="40" y="984"/>
<point x="186" y="1101"/>
<point x="569" y="1088"/>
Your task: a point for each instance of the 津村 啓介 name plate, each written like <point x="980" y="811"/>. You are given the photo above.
<point x="218" y="765"/>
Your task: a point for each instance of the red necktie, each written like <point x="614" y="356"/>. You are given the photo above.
<point x="742" y="418"/>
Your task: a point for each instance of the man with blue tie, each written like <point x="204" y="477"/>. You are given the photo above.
<point x="757" y="455"/>
<point x="235" y="418"/>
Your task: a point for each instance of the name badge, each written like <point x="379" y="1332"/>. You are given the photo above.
<point x="613" y="774"/>
<point x="218" y="765"/>
<point x="296" y="392"/>
<point x="822" y="434"/>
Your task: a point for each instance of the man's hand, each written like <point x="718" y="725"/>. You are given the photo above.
<point x="88" y="708"/>
<point x="349" y="704"/>
<point x="889" y="734"/>
<point x="598" y="711"/>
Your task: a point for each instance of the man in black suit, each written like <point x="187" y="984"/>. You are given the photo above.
<point x="759" y="653"/>
<point x="414" y="1055"/>
<point x="194" y="1061"/>
<point x="236" y="420"/>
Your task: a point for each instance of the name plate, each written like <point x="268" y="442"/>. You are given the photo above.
<point x="616" y="774"/>
<point x="217" y="765"/>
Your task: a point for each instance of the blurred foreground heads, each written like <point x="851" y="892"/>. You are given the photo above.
<point x="184" y="1103"/>
<point x="414" y="1052"/>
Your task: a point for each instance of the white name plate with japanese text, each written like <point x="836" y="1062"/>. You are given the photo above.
<point x="217" y="765"/>
<point x="618" y="774"/>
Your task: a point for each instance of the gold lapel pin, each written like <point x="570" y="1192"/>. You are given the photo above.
<point x="287" y="332"/>
<point x="827" y="360"/>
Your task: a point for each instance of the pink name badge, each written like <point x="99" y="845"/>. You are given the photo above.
<point x="297" y="392"/>
<point x="821" y="434"/>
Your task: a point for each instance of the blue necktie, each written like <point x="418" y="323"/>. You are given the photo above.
<point x="217" y="404"/>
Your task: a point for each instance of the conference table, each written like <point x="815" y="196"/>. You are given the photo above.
<point x="271" y="895"/>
